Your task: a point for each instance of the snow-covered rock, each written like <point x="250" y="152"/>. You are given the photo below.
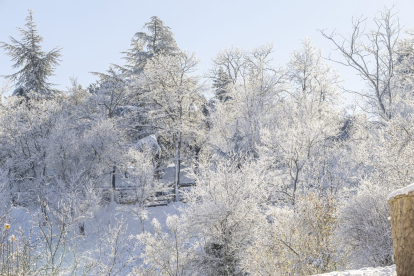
<point x="366" y="271"/>
<point x="149" y="143"/>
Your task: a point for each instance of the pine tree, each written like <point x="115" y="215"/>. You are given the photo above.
<point x="111" y="91"/>
<point x="220" y="85"/>
<point x="37" y="65"/>
<point x="157" y="40"/>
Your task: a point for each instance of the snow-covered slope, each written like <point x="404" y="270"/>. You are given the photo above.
<point x="366" y="271"/>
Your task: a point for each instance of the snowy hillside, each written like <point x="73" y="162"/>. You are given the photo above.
<point x="255" y="166"/>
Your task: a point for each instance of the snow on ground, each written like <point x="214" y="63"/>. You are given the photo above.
<point x="366" y="271"/>
<point x="98" y="229"/>
<point x="169" y="175"/>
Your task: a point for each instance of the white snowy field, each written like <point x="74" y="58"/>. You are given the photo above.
<point x="100" y="229"/>
<point x="366" y="271"/>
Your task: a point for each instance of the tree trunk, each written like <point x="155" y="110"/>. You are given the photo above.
<point x="113" y="178"/>
<point x="197" y="159"/>
<point x="177" y="166"/>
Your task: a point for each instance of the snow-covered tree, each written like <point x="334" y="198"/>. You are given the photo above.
<point x="166" y="253"/>
<point x="4" y="89"/>
<point x="311" y="78"/>
<point x="172" y="91"/>
<point x="296" y="241"/>
<point x="231" y="62"/>
<point x="37" y="65"/>
<point x="49" y="149"/>
<point x="25" y="128"/>
<point x="157" y="40"/>
<point x="140" y="174"/>
<point x="112" y="92"/>
<point x="253" y="89"/>
<point x="225" y="213"/>
<point x="298" y="141"/>
<point x="373" y="55"/>
<point x="365" y="231"/>
<point x="220" y="84"/>
<point x="381" y="157"/>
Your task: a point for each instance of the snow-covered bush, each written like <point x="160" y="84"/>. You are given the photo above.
<point x="297" y="240"/>
<point x="166" y="253"/>
<point x="225" y="213"/>
<point x="140" y="175"/>
<point x="365" y="230"/>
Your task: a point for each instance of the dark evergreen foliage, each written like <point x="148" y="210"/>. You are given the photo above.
<point x="36" y="65"/>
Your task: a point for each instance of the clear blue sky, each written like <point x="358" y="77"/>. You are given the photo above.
<point x="94" y="32"/>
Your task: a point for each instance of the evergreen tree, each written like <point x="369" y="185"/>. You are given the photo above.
<point x="111" y="91"/>
<point x="220" y="85"/>
<point x="157" y="40"/>
<point x="37" y="66"/>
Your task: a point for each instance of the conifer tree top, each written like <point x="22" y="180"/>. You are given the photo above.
<point x="156" y="39"/>
<point x="35" y="65"/>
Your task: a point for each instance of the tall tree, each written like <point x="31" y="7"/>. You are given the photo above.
<point x="310" y="78"/>
<point x="111" y="91"/>
<point x="173" y="93"/>
<point x="220" y="85"/>
<point x="251" y="87"/>
<point x="298" y="138"/>
<point x="373" y="54"/>
<point x="232" y="61"/>
<point x="37" y="65"/>
<point x="224" y="213"/>
<point x="404" y="70"/>
<point x="158" y="39"/>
